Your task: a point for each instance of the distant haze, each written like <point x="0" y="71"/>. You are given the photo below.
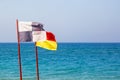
<point x="69" y="20"/>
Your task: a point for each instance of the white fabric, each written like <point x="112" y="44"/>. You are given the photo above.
<point x="39" y="36"/>
<point x="24" y="26"/>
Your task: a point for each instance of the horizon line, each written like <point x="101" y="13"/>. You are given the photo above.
<point x="65" y="42"/>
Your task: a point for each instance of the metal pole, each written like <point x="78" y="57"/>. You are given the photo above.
<point x="37" y="68"/>
<point x="19" y="56"/>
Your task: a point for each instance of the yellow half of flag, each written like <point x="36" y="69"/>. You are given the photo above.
<point x="50" y="45"/>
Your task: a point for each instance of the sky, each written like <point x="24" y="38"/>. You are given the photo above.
<point x="69" y="20"/>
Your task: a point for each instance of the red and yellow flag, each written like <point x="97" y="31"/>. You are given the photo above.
<point x="49" y="41"/>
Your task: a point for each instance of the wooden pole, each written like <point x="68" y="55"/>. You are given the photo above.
<point x="37" y="67"/>
<point x="19" y="56"/>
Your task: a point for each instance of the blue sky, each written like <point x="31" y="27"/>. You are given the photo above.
<point x="69" y="20"/>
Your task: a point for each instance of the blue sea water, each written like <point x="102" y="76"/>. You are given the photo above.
<point x="72" y="61"/>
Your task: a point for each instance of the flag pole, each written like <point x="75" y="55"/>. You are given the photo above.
<point x="37" y="68"/>
<point x="19" y="56"/>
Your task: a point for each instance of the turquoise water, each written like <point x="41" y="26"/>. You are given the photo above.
<point x="72" y="61"/>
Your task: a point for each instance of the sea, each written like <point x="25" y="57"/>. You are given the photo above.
<point x="71" y="61"/>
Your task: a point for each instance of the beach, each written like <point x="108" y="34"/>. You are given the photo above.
<point x="72" y="61"/>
